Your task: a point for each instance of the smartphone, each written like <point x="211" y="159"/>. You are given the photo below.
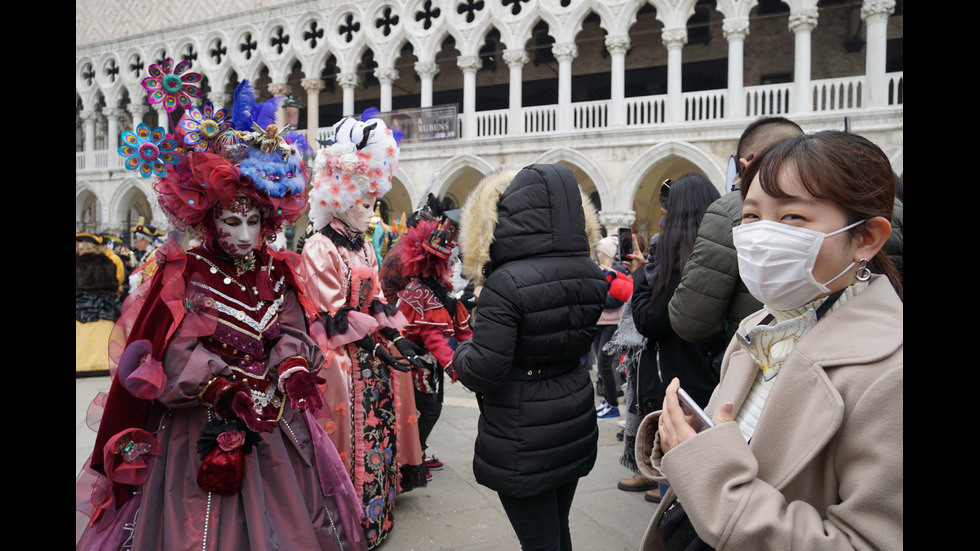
<point x="699" y="419"/>
<point x="625" y="236"/>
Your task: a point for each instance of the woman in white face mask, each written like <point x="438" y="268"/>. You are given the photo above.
<point x="806" y="449"/>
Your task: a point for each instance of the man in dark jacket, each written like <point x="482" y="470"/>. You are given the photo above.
<point x="527" y="239"/>
<point x="711" y="296"/>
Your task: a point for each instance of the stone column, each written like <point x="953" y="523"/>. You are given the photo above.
<point x="278" y="89"/>
<point x="427" y="71"/>
<point x="875" y="14"/>
<point x="565" y="53"/>
<point x="348" y="81"/>
<point x="802" y="24"/>
<point x="386" y="77"/>
<point x="643" y="235"/>
<point x="312" y="87"/>
<point x="136" y="110"/>
<point x="89" y="117"/>
<point x="674" y="40"/>
<point x="219" y="99"/>
<point x="612" y="220"/>
<point x="163" y="118"/>
<point x="735" y="31"/>
<point x="112" y="116"/>
<point x="516" y="60"/>
<point x="617" y="46"/>
<point x="469" y="64"/>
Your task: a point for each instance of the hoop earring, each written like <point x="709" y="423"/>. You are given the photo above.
<point x="863" y="273"/>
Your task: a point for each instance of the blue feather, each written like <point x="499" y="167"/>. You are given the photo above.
<point x="370" y="113"/>
<point x="265" y="113"/>
<point x="243" y="106"/>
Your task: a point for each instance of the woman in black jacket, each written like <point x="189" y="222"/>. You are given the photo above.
<point x="526" y="237"/>
<point x="667" y="355"/>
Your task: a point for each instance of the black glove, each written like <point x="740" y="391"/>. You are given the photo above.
<point x="380" y="352"/>
<point x="410" y="351"/>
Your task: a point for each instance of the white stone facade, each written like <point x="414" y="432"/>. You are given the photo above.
<point x="559" y="81"/>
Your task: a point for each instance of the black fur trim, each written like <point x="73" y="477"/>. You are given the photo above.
<point x="336" y="324"/>
<point x="341" y="240"/>
<point x="377" y="307"/>
<point x="414" y="476"/>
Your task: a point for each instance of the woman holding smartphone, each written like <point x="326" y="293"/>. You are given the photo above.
<point x="806" y="451"/>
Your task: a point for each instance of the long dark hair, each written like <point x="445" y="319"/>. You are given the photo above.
<point x="844" y="168"/>
<point x="690" y="196"/>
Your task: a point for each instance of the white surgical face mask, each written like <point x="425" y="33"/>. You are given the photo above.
<point x="775" y="261"/>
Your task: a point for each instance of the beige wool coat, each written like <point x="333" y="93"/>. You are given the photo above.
<point x="824" y="469"/>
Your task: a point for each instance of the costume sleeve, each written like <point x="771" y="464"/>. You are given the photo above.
<point x="435" y="341"/>
<point x="717" y="468"/>
<point x="484" y="362"/>
<point x="295" y="339"/>
<point x="189" y="367"/>
<point x="322" y="263"/>
<point x="698" y="307"/>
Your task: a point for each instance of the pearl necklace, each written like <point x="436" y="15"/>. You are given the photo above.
<point x="228" y="280"/>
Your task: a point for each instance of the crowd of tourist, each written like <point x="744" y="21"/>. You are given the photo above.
<point x="273" y="399"/>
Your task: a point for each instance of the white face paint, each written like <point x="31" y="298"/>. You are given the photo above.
<point x="238" y="234"/>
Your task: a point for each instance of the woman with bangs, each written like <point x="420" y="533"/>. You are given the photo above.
<point x="806" y="447"/>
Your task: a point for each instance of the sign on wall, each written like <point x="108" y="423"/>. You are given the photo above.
<point x="424" y="123"/>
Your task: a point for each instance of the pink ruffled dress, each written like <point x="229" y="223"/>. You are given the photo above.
<point x="369" y="411"/>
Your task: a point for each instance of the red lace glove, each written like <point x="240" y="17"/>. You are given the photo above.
<point x="232" y="399"/>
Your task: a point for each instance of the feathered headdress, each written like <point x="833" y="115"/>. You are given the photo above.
<point x="216" y="155"/>
<point x="356" y="167"/>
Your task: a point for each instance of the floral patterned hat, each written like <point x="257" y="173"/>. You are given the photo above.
<point x="356" y="167"/>
<point x="215" y="155"/>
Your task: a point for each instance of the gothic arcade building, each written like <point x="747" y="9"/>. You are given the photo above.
<point x="625" y="92"/>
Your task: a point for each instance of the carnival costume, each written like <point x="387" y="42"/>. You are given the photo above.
<point x="370" y="413"/>
<point x="97" y="305"/>
<point x="419" y="271"/>
<point x="208" y="438"/>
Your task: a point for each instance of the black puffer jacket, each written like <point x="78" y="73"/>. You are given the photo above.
<point x="536" y="318"/>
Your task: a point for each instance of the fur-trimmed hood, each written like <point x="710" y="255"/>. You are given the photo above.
<point x="512" y="214"/>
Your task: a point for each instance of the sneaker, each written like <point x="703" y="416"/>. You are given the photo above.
<point x="638" y="483"/>
<point x="434" y="464"/>
<point x="622" y="424"/>
<point x="608" y="413"/>
<point x="602" y="405"/>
